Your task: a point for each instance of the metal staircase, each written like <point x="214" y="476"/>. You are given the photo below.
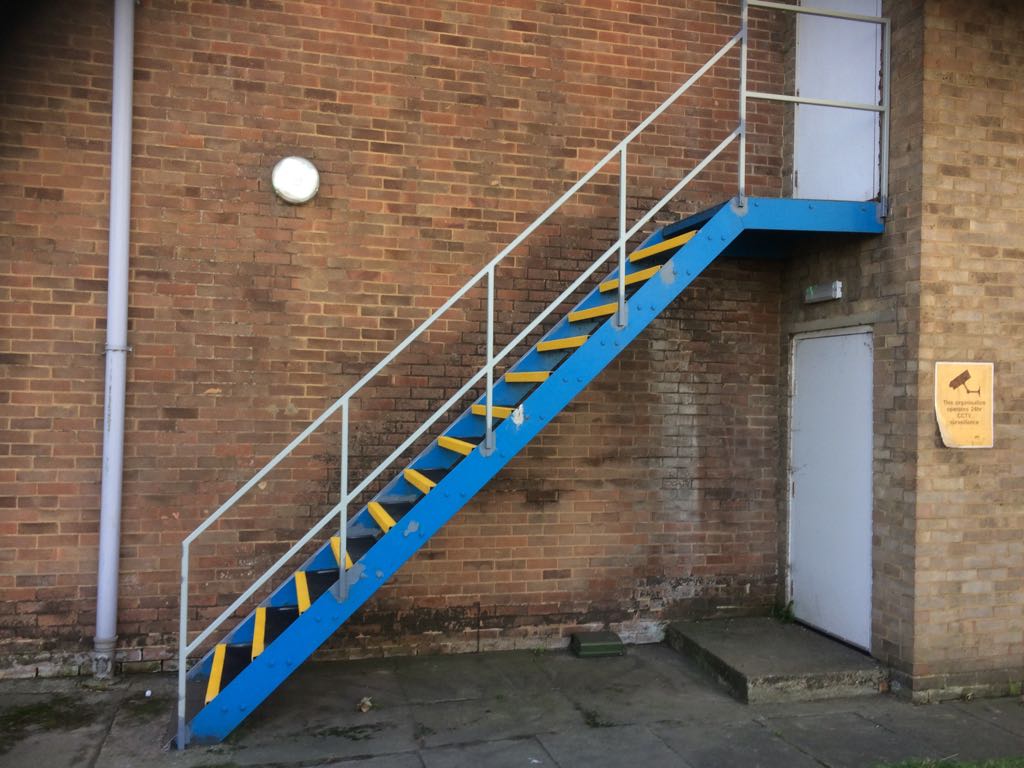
<point x="362" y="551"/>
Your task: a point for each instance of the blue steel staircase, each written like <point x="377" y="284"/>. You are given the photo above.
<point x="262" y="650"/>
<point x="278" y="636"/>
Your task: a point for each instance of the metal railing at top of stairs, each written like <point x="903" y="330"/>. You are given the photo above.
<point x="347" y="495"/>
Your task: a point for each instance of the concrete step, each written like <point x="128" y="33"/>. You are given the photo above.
<point x="761" y="660"/>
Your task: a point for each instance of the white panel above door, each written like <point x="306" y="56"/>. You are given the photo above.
<point x="836" y="151"/>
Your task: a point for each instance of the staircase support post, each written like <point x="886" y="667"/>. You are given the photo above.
<point x="488" y="446"/>
<point x="343" y="507"/>
<point x="621" y="318"/>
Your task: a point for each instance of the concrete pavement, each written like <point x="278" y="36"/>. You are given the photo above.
<point x="650" y="707"/>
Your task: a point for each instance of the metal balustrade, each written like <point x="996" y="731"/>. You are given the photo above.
<point x="347" y="495"/>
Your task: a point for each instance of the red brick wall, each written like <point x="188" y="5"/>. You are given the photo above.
<point x="439" y="134"/>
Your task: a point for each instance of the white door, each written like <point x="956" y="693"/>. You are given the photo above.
<point x="835" y="151"/>
<point x="830" y="484"/>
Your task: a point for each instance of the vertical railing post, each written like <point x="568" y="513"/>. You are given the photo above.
<point x="622" y="313"/>
<point x="182" y="646"/>
<point x="343" y="510"/>
<point x="742" y="174"/>
<point x="488" y="446"/>
<point x="883" y="163"/>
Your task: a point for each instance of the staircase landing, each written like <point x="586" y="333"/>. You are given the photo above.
<point x="761" y="660"/>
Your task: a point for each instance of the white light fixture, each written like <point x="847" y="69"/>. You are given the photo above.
<point x="295" y="180"/>
<point x="823" y="292"/>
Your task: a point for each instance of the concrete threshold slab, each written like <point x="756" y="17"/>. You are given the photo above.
<point x="761" y="660"/>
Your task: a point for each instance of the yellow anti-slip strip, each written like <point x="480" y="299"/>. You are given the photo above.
<point x="302" y="591"/>
<point x="336" y="549"/>
<point x="423" y="483"/>
<point x="499" y="411"/>
<point x="380" y="517"/>
<point x="454" y="444"/>
<point x="587" y="314"/>
<point x="570" y="342"/>
<point x="637" y="277"/>
<point x="664" y="245"/>
<point x="259" y="632"/>
<point x="213" y="684"/>
<point x="526" y="377"/>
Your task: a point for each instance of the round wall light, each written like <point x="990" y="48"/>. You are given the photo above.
<point x="295" y="180"/>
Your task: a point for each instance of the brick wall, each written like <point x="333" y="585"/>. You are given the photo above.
<point x="439" y="132"/>
<point x="969" y="607"/>
<point x="881" y="287"/>
<point x="943" y="283"/>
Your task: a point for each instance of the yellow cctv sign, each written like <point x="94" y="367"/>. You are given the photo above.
<point x="964" y="396"/>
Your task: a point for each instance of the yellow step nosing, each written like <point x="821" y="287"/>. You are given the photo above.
<point x="526" y="377"/>
<point x="216" y="671"/>
<point x="302" y="591"/>
<point x="636" y="277"/>
<point x="421" y="482"/>
<point x="569" y="342"/>
<point x="380" y="516"/>
<point x="456" y="445"/>
<point x="259" y="632"/>
<point x="498" y="411"/>
<point x="664" y="245"/>
<point x="587" y="314"/>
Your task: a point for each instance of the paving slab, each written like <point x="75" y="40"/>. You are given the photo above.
<point x="954" y="734"/>
<point x="648" y="684"/>
<point x="749" y="744"/>
<point x="503" y="716"/>
<point x="763" y="660"/>
<point x="426" y="680"/>
<point x="63" y="723"/>
<point x="1006" y="713"/>
<point x="508" y="753"/>
<point x="849" y="740"/>
<point x="614" y="746"/>
<point x="406" y="760"/>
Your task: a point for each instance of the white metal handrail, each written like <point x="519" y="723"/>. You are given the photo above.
<point x="882" y="109"/>
<point x="347" y="495"/>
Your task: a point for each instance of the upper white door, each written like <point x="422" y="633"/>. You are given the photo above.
<point x="836" y="151"/>
<point x="830" y="484"/>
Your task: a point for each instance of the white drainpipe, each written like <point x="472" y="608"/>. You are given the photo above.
<point x="117" y="338"/>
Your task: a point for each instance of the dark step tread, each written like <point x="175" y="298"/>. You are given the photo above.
<point x="236" y="658"/>
<point x="435" y="475"/>
<point x="322" y="580"/>
<point x="278" y="620"/>
<point x="399" y="509"/>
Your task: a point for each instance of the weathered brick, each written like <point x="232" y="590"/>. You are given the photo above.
<point x="438" y="136"/>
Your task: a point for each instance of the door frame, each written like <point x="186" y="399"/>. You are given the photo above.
<point x="850" y="330"/>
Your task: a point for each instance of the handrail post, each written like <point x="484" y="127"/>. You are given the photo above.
<point x="622" y="313"/>
<point x="182" y="646"/>
<point x="883" y="164"/>
<point x="742" y="175"/>
<point x="343" y="510"/>
<point x="488" y="447"/>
